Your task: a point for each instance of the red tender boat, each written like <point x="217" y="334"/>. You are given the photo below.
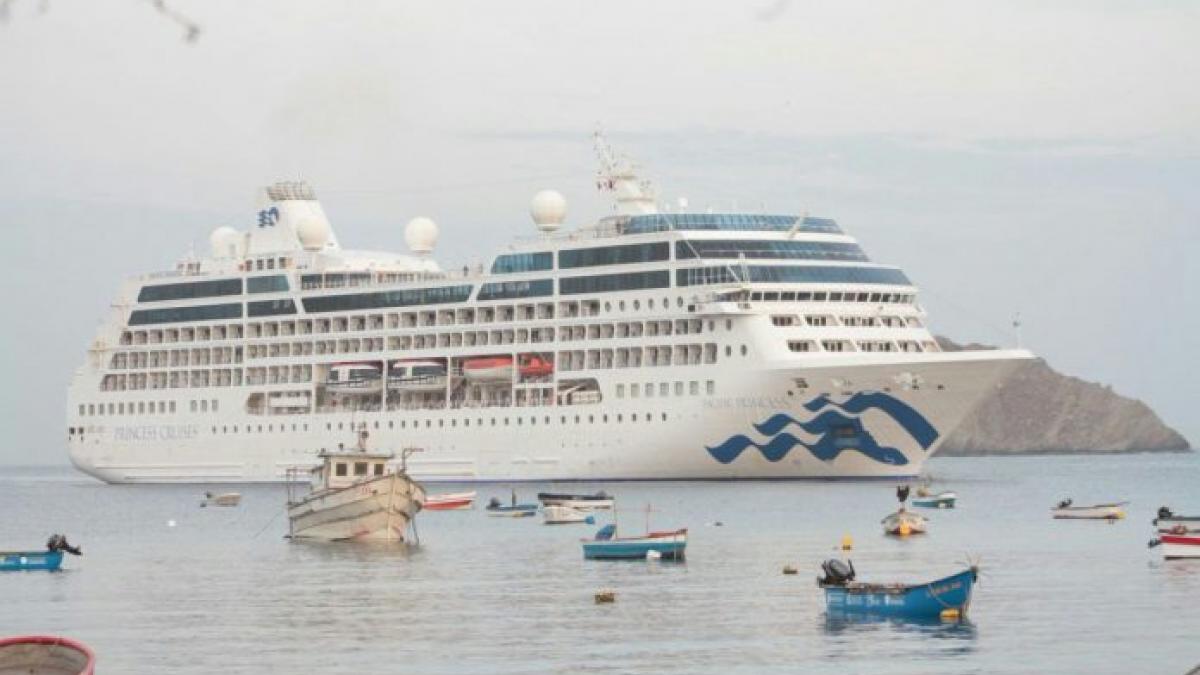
<point x="449" y="502"/>
<point x="45" y="655"/>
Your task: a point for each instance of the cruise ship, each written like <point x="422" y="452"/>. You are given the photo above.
<point x="652" y="343"/>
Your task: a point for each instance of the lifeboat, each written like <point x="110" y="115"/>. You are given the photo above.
<point x="535" y="366"/>
<point x="354" y="378"/>
<point x="489" y="369"/>
<point x="416" y="375"/>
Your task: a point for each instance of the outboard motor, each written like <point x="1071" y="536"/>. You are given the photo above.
<point x="494" y="503"/>
<point x="1065" y="503"/>
<point x="837" y="573"/>
<point x="58" y="542"/>
<point x="1163" y="512"/>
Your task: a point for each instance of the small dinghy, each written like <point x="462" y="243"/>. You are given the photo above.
<point x="942" y="500"/>
<point x="223" y="499"/>
<point x="1169" y="522"/>
<point x="1178" y="544"/>
<point x="45" y="655"/>
<point x="948" y="597"/>
<point x="49" y="559"/>
<point x="512" y="510"/>
<point x="593" y="502"/>
<point x="606" y="545"/>
<point x="903" y="523"/>
<point x="562" y="515"/>
<point x="1065" y="510"/>
<point x="456" y="501"/>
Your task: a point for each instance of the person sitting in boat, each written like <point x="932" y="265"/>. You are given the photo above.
<point x="902" y="493"/>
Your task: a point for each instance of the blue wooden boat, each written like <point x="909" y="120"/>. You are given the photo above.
<point x="607" y="546"/>
<point x="513" y="510"/>
<point x="942" y="500"/>
<point x="948" y="597"/>
<point x="49" y="559"/>
<point x="11" y="561"/>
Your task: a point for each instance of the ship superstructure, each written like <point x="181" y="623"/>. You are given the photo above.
<point x="646" y="345"/>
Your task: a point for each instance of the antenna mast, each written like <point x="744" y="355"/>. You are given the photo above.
<point x="618" y="175"/>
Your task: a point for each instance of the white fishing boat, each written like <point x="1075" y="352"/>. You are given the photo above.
<point x="562" y="515"/>
<point x="1179" y="544"/>
<point x="903" y="523"/>
<point x="593" y="502"/>
<point x="1066" y="510"/>
<point x="356" y="495"/>
<point x="454" y="501"/>
<point x="223" y="499"/>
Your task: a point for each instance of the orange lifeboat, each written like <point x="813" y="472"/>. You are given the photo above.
<point x="536" y="366"/>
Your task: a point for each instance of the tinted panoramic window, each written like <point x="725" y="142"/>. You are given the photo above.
<point x="141" y="317"/>
<point x="270" y="307"/>
<point x="751" y="249"/>
<point x="523" y="262"/>
<point x="516" y="289"/>
<point x="272" y="284"/>
<point x="658" y="222"/>
<point x="614" y="255"/>
<point x="605" y="283"/>
<point x="416" y="296"/>
<point x="193" y="289"/>
<point x="785" y="274"/>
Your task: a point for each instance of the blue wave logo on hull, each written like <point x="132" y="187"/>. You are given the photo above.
<point x="836" y="430"/>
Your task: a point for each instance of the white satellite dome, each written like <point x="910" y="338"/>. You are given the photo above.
<point x="549" y="209"/>
<point x="421" y="235"/>
<point x="224" y="242"/>
<point x="313" y="233"/>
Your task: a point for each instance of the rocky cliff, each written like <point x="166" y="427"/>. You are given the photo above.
<point x="1042" y="411"/>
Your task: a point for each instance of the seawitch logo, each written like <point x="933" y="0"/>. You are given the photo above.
<point x="838" y="427"/>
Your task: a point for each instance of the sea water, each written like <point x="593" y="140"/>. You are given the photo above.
<point x="165" y="586"/>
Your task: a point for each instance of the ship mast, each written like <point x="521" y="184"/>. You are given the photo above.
<point x="618" y="176"/>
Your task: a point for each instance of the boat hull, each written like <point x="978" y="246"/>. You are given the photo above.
<point x="581" y="502"/>
<point x="45" y="655"/>
<point x="920" y="601"/>
<point x="13" y="561"/>
<point x="460" y="501"/>
<point x="1098" y="512"/>
<point x="564" y="515"/>
<point x="1178" y="547"/>
<point x="669" y="546"/>
<point x="379" y="509"/>
<point x="945" y="500"/>
<point x="518" y="511"/>
<point x="758" y="423"/>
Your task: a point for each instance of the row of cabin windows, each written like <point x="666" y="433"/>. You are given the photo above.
<point x="785" y="320"/>
<point x="664" y="389"/>
<point x="360" y="468"/>
<point x="862" y="346"/>
<point x="833" y="296"/>
<point x="532" y="421"/>
<point x="144" y="407"/>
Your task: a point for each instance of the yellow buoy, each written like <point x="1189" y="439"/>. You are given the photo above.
<point x="847" y="542"/>
<point x="905" y="529"/>
<point x="951" y="613"/>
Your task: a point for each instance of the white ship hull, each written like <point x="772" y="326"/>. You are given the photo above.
<point x="375" y="510"/>
<point x="758" y="424"/>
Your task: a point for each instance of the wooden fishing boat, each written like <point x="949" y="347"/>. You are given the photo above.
<point x="1169" y="522"/>
<point x="456" y="501"/>
<point x="1065" y="510"/>
<point x="942" y="500"/>
<point x="50" y="559"/>
<point x="948" y="597"/>
<point x="355" y="496"/>
<point x="667" y="545"/>
<point x="1179" y="545"/>
<point x="514" y="510"/>
<point x="223" y="499"/>
<point x="593" y="502"/>
<point x="563" y="515"/>
<point x="45" y="655"/>
<point x="903" y="523"/>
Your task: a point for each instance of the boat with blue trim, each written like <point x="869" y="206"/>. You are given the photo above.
<point x="942" y="500"/>
<point x="666" y="545"/>
<point x="512" y="510"/>
<point x="948" y="597"/>
<point x="49" y="559"/>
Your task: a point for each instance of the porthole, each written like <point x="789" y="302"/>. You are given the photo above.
<point x="744" y="350"/>
<point x="621" y="305"/>
<point x="637" y="304"/>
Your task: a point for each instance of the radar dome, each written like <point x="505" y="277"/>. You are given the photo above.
<point x="224" y="242"/>
<point x="313" y="233"/>
<point x="549" y="209"/>
<point x="421" y="235"/>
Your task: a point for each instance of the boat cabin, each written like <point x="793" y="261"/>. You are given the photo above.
<point x="344" y="468"/>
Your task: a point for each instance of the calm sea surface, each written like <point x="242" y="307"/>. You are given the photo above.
<point x="223" y="591"/>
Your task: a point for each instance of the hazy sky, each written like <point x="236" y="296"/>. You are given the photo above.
<point x="1040" y="157"/>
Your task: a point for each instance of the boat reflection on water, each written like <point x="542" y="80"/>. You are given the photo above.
<point x="957" y="636"/>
